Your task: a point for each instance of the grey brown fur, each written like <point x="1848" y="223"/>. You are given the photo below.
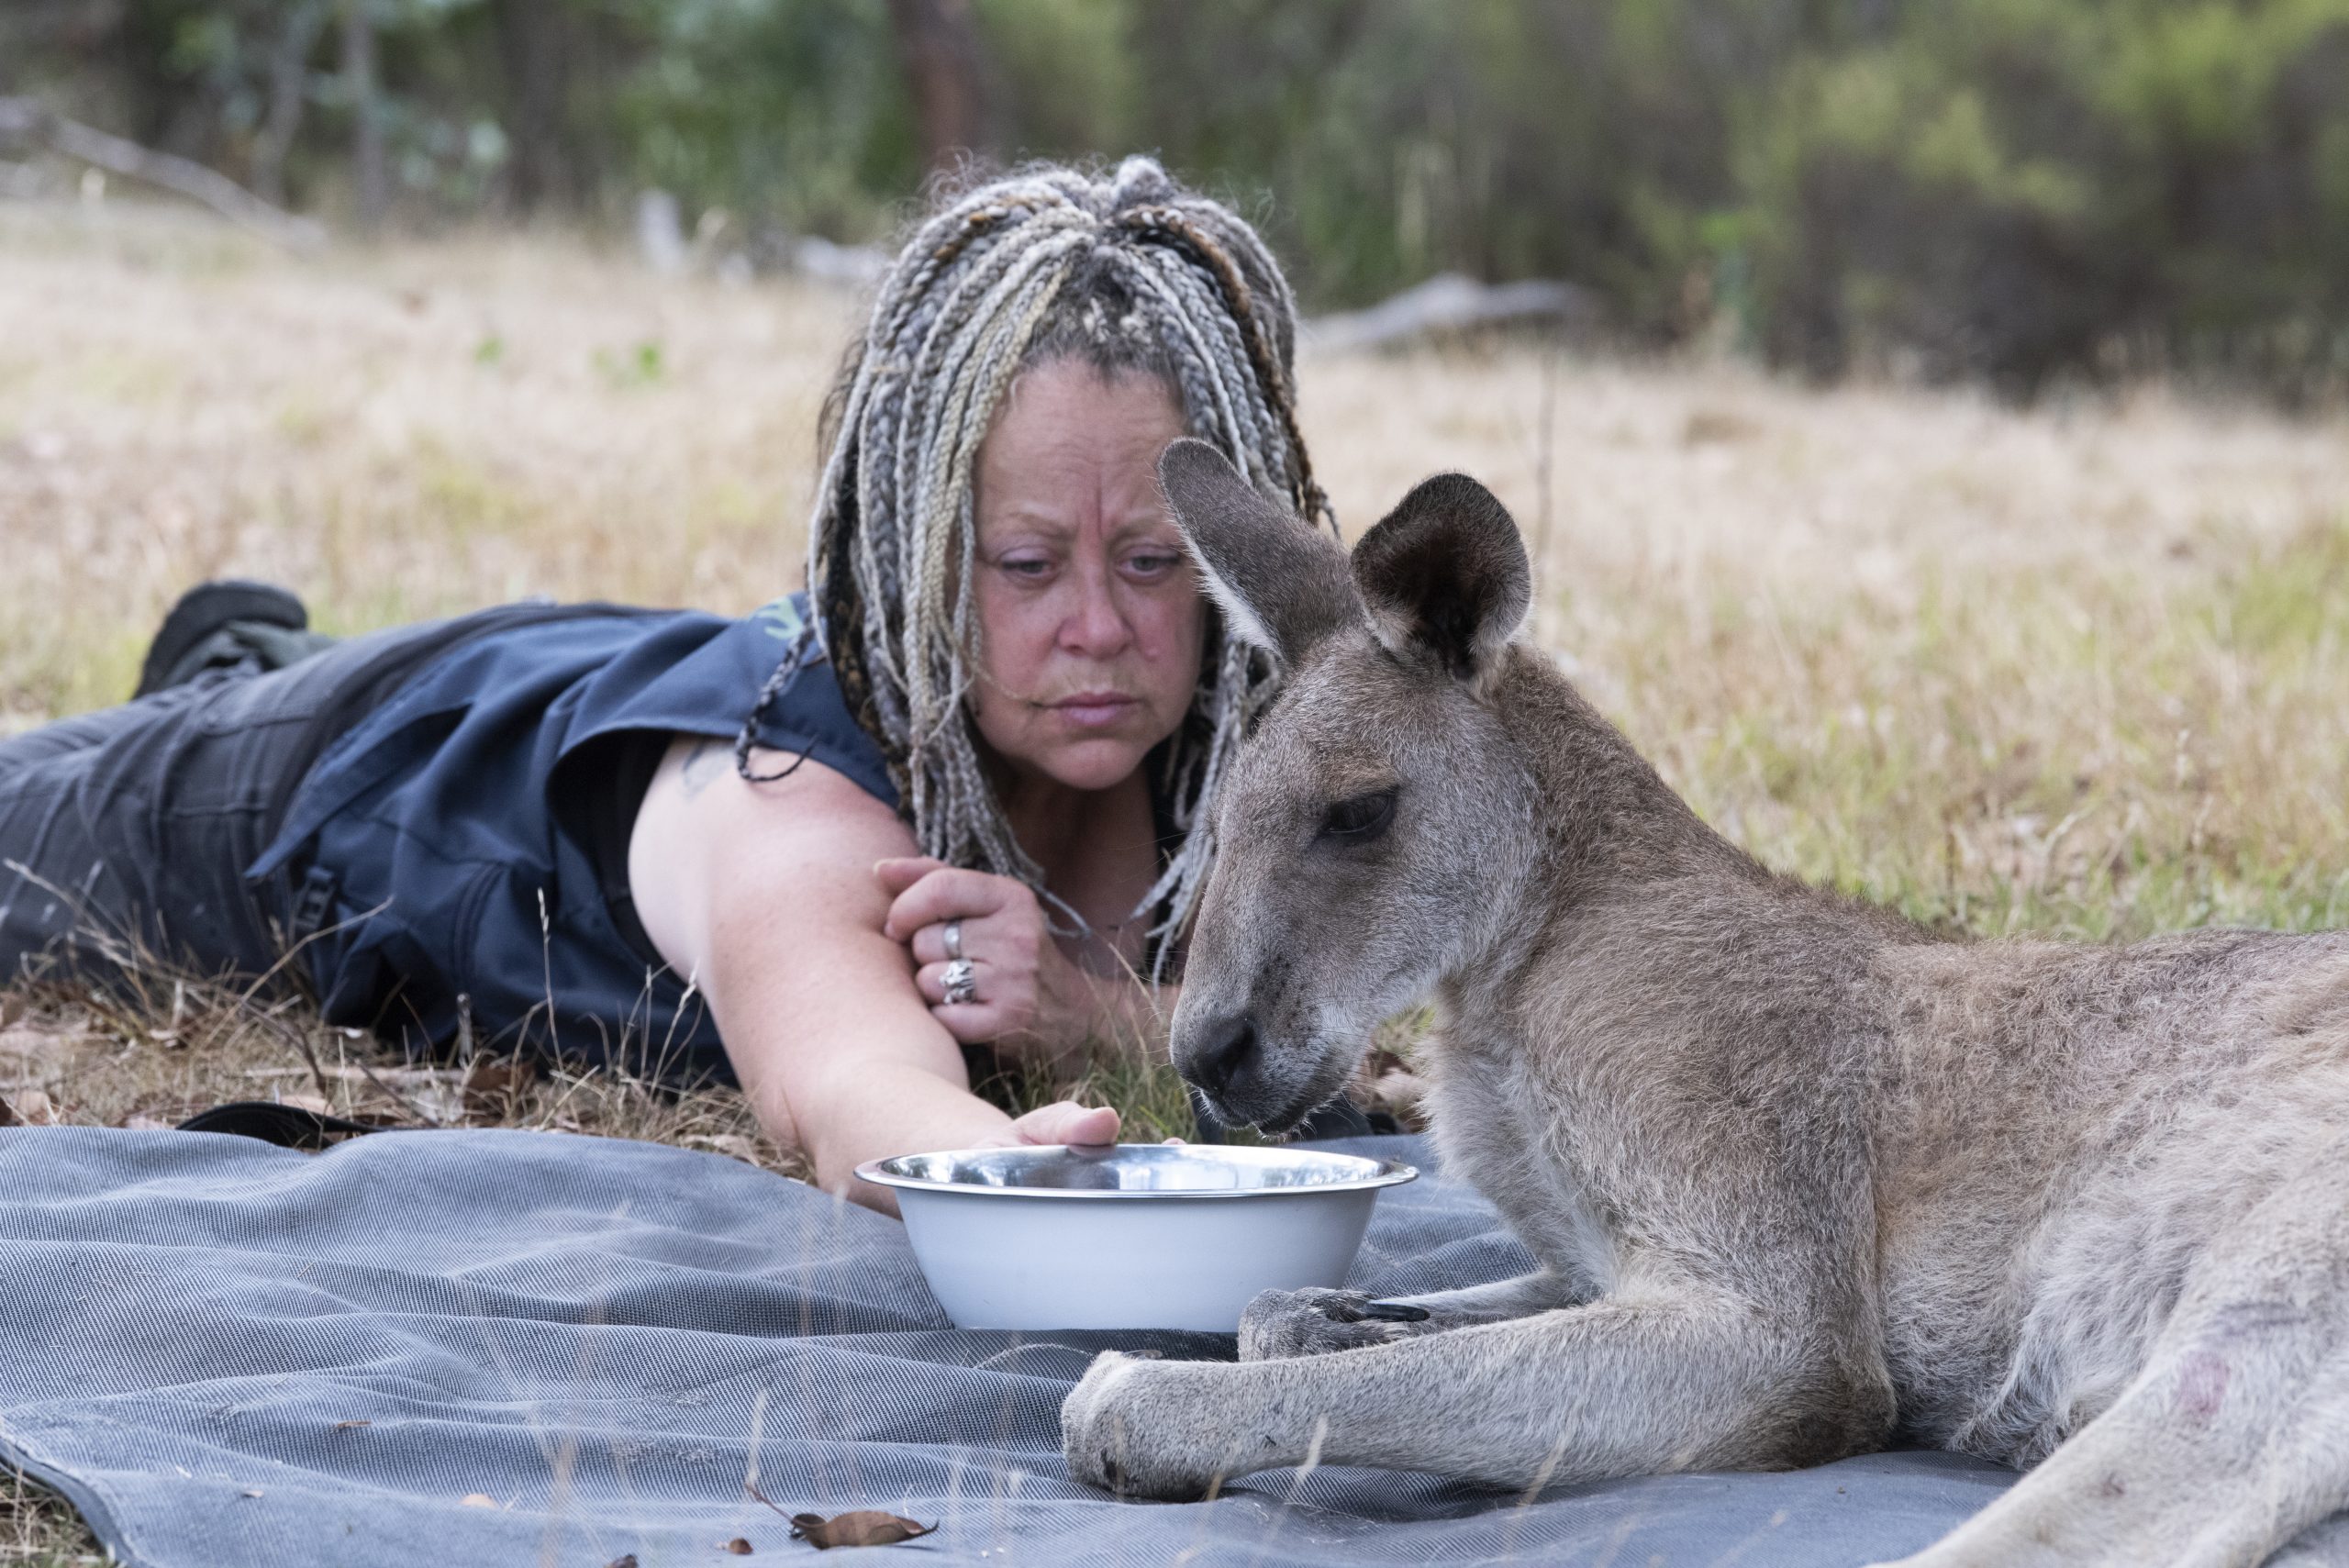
<point x="1804" y="1180"/>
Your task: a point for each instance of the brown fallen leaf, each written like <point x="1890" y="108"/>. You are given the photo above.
<point x="865" y="1527"/>
<point x="477" y="1500"/>
<point x="739" y="1547"/>
<point x="627" y="1560"/>
<point x="492" y="1087"/>
<point x="345" y="1426"/>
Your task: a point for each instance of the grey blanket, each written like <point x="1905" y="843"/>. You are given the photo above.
<point x="504" y="1348"/>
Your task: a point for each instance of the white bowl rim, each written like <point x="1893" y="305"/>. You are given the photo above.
<point x="1374" y="1173"/>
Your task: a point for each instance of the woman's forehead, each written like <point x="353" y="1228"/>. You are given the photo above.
<point x="1067" y="399"/>
<point x="1068" y="439"/>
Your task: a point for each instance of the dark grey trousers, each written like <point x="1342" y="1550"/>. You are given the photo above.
<point x="125" y="833"/>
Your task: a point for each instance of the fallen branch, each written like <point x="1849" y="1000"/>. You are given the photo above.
<point x="22" y="119"/>
<point x="1450" y="303"/>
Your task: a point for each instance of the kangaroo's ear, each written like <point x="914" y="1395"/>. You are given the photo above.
<point x="1281" y="584"/>
<point x="1445" y="577"/>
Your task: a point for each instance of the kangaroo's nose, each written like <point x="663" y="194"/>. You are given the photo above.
<point x="1227" y="1049"/>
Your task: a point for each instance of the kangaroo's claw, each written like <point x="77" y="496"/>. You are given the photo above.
<point x="1283" y="1323"/>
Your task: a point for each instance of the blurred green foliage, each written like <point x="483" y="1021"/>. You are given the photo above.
<point x="2010" y="190"/>
<point x="789" y="110"/>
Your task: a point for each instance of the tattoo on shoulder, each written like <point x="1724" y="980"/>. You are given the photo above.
<point x="709" y="761"/>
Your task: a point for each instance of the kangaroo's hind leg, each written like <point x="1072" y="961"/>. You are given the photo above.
<point x="2235" y="1439"/>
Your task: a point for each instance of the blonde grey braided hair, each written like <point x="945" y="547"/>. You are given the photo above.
<point x="1128" y="271"/>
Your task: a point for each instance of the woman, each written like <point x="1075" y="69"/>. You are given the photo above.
<point x="968" y="804"/>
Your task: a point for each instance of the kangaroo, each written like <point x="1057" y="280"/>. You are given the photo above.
<point x="1803" y="1179"/>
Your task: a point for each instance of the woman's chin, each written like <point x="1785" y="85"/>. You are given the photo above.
<point x="1090" y="763"/>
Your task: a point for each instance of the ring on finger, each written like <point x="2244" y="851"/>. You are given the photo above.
<point x="953" y="936"/>
<point x="959" y="982"/>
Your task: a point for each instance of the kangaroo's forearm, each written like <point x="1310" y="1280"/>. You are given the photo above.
<point x="1584" y="1394"/>
<point x="1497" y="1301"/>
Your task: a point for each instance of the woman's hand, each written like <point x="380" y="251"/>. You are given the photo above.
<point x="1064" y="1121"/>
<point x="1027" y="990"/>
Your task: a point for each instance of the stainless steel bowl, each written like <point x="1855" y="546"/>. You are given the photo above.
<point x="1130" y="1236"/>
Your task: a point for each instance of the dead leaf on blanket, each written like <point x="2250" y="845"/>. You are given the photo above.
<point x="477" y="1500"/>
<point x="345" y="1426"/>
<point x="866" y="1527"/>
<point x="739" y="1547"/>
<point x="627" y="1562"/>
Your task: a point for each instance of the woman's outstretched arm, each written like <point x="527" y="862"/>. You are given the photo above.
<point x="766" y="894"/>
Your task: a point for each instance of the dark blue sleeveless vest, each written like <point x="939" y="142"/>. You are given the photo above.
<point x="448" y="880"/>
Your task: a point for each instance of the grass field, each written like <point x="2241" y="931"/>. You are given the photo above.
<point x="2081" y="670"/>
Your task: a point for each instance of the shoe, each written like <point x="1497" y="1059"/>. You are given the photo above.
<point x="202" y="614"/>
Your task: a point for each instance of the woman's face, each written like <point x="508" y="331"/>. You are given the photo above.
<point x="1089" y="616"/>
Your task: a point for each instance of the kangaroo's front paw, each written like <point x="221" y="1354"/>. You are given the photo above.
<point x="1141" y="1428"/>
<point x="1282" y="1323"/>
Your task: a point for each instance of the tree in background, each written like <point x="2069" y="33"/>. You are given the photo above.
<point x="2010" y="190"/>
<point x="945" y="67"/>
<point x="364" y="99"/>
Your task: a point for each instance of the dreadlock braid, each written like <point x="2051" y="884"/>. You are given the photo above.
<point x="1128" y="273"/>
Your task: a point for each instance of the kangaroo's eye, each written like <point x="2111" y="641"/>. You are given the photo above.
<point x="1360" y="818"/>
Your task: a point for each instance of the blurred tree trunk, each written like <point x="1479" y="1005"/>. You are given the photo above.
<point x="289" y="81"/>
<point x="535" y="43"/>
<point x="946" y="68"/>
<point x="366" y="113"/>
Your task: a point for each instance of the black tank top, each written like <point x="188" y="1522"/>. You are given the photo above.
<point x="462" y="848"/>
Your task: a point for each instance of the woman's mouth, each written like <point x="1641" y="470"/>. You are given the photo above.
<point x="1094" y="710"/>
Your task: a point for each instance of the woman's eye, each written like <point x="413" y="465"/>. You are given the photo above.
<point x="1360" y="818"/>
<point x="1154" y="565"/>
<point x="1030" y="566"/>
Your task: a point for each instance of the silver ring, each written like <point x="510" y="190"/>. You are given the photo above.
<point x="961" y="981"/>
<point x="954" y="941"/>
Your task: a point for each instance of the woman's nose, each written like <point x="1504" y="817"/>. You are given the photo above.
<point x="1095" y="625"/>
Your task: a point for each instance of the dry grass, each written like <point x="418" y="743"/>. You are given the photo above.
<point x="2081" y="670"/>
<point x="38" y="1530"/>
